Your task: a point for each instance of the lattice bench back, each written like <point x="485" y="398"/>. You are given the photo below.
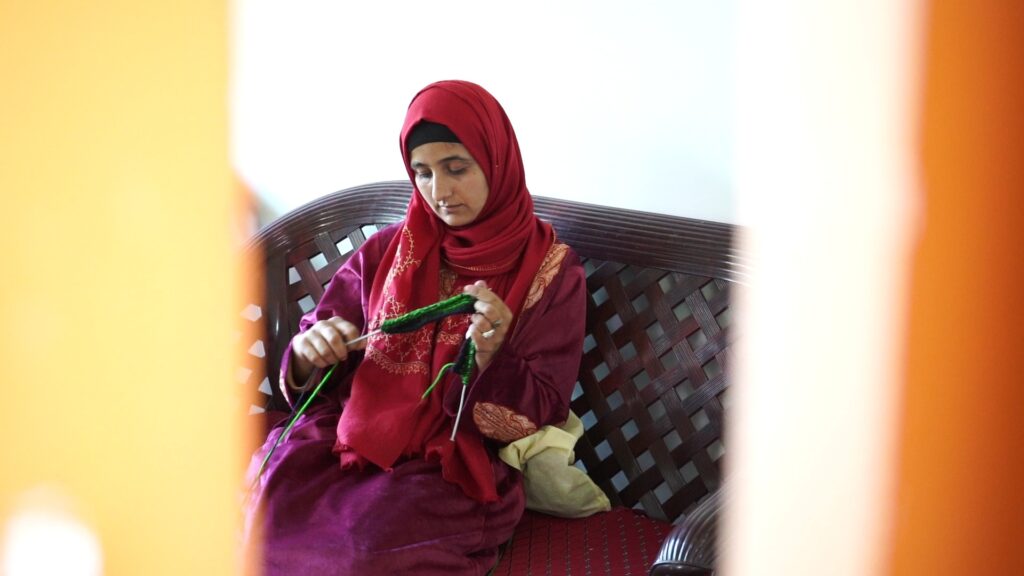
<point x="653" y="382"/>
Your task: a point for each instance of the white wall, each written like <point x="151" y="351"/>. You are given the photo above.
<point x="622" y="104"/>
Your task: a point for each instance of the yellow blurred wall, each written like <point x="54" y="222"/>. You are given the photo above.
<point x="118" y="277"/>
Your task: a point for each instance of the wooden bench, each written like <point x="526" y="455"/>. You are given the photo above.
<point x="653" y="383"/>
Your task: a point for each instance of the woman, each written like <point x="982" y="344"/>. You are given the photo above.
<point x="375" y="478"/>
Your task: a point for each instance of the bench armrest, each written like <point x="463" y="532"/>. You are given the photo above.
<point x="690" y="549"/>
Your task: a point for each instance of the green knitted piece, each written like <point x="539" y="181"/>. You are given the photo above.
<point x="465" y="369"/>
<point x="460" y="304"/>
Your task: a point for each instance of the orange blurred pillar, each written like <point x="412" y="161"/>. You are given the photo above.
<point x="961" y="497"/>
<point x="118" y="279"/>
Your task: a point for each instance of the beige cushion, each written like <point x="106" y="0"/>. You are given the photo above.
<point x="553" y="485"/>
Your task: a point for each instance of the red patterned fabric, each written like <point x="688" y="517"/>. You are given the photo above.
<point x="501" y="423"/>
<point x="622" y="542"/>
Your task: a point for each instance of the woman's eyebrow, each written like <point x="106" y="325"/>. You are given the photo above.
<point x="446" y="159"/>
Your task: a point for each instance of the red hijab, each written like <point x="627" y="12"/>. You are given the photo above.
<point x="505" y="245"/>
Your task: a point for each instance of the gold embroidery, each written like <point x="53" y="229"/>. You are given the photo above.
<point x="501" y="423"/>
<point x="402" y="263"/>
<point x="398" y="353"/>
<point x="547" y="272"/>
<point x="405" y="347"/>
<point x="400" y="368"/>
<point x="487" y="268"/>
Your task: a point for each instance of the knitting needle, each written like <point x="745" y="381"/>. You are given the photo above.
<point x="458" y="415"/>
<point x="361" y="338"/>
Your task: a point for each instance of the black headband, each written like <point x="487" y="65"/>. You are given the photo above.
<point x="427" y="132"/>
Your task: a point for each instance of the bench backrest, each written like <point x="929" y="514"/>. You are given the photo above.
<point x="653" y="382"/>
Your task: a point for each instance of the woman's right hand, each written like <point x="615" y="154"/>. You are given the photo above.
<point x="322" y="345"/>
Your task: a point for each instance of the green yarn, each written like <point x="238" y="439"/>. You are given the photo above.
<point x="288" y="428"/>
<point x="436" y="380"/>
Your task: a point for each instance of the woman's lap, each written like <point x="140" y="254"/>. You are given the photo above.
<point x="318" y="519"/>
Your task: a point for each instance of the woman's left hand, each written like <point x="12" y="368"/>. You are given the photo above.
<point x="489" y="325"/>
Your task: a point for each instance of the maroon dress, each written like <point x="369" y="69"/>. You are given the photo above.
<point x="317" y="518"/>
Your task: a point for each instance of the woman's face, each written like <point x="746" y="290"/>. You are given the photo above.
<point x="450" y="180"/>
